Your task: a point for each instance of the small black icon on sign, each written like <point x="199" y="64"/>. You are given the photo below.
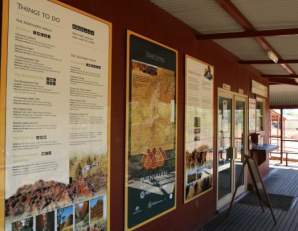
<point x="51" y="81"/>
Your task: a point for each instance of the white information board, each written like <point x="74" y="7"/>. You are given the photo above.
<point x="57" y="116"/>
<point x="199" y="112"/>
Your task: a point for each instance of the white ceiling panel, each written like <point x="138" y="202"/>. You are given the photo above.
<point x="204" y="16"/>
<point x="295" y="67"/>
<point x="270" y="69"/>
<point x="283" y="94"/>
<point x="207" y="17"/>
<point x="286" y="46"/>
<point x="244" y="48"/>
<point x="269" y="14"/>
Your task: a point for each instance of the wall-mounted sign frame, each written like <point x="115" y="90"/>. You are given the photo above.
<point x="199" y="128"/>
<point x="252" y="104"/>
<point x="227" y="87"/>
<point x="151" y="128"/>
<point x="259" y="89"/>
<point x="260" y="114"/>
<point x="55" y="117"/>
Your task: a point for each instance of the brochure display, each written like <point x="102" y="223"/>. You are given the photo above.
<point x="199" y="111"/>
<point x="55" y="75"/>
<point x="150" y="130"/>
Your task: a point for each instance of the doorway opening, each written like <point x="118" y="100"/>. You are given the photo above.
<point x="231" y="144"/>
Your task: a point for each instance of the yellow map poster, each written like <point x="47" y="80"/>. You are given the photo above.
<point x="152" y="108"/>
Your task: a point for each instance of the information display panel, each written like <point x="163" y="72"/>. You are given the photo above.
<point x="150" y="130"/>
<point x="252" y="115"/>
<point x="55" y="84"/>
<point x="199" y="111"/>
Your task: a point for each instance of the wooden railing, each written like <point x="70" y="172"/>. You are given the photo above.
<point x="285" y="151"/>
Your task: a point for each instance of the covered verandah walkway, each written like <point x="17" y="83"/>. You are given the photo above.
<point x="249" y="216"/>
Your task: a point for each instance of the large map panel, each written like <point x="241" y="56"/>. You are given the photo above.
<point x="151" y="130"/>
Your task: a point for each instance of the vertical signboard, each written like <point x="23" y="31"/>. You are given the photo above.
<point x="259" y="89"/>
<point x="55" y="85"/>
<point x="150" y="130"/>
<point x="252" y="115"/>
<point x="199" y="111"/>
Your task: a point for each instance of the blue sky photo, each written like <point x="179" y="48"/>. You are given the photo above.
<point x="67" y="211"/>
<point x="94" y="201"/>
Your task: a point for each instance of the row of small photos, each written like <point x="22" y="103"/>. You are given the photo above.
<point x="84" y="216"/>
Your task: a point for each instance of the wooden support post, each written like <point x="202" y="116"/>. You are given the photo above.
<point x="281" y="136"/>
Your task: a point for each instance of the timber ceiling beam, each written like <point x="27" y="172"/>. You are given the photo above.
<point x="282" y="81"/>
<point x="280" y="76"/>
<point x="266" y="61"/>
<point x="249" y="33"/>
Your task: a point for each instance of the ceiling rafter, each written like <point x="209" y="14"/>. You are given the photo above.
<point x="280" y="76"/>
<point x="266" y="61"/>
<point x="283" y="81"/>
<point x="249" y="33"/>
<point x="235" y="13"/>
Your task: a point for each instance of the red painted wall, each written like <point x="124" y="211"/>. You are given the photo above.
<point x="147" y="19"/>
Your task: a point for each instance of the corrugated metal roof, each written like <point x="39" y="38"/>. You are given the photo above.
<point x="270" y="69"/>
<point x="286" y="46"/>
<point x="269" y="14"/>
<point x="283" y="94"/>
<point x="243" y="48"/>
<point x="295" y="67"/>
<point x="205" y="16"/>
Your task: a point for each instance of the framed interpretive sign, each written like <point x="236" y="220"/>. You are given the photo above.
<point x="259" y="89"/>
<point x="260" y="114"/>
<point x="150" y="130"/>
<point x="199" y="111"/>
<point x="252" y="115"/>
<point x="55" y="116"/>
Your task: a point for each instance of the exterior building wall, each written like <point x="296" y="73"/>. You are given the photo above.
<point x="144" y="18"/>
